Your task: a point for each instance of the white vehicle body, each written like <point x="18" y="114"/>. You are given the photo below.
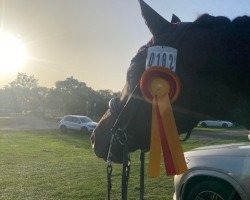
<point x="222" y="165"/>
<point x="216" y="123"/>
<point x="77" y="123"/>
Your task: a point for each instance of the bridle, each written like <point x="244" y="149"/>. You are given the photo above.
<point x="119" y="134"/>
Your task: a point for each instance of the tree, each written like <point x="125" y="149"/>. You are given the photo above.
<point x="24" y="81"/>
<point x="23" y="93"/>
<point x="71" y="96"/>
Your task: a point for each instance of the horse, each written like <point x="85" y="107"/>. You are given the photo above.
<point x="213" y="65"/>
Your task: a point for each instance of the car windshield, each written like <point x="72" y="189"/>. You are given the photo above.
<point x="85" y="119"/>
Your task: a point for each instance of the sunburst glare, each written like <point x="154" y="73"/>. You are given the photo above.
<point x="12" y="53"/>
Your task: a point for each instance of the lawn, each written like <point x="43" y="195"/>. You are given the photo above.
<point x="53" y="165"/>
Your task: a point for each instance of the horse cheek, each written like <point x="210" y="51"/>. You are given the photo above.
<point x="101" y="136"/>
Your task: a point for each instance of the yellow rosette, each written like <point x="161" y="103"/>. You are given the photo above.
<point x="161" y="87"/>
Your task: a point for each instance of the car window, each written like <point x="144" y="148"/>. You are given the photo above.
<point x="75" y="120"/>
<point x="85" y="119"/>
<point x="68" y="119"/>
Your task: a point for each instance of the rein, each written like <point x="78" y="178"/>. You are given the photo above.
<point x="118" y="134"/>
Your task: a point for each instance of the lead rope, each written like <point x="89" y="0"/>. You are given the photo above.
<point x="109" y="168"/>
<point x="109" y="185"/>
<point x="125" y="170"/>
<point x="142" y="159"/>
<point x="125" y="174"/>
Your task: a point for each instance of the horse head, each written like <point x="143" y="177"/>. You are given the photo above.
<point x="213" y="67"/>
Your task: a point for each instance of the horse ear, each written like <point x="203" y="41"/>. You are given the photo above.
<point x="175" y="19"/>
<point x="155" y="22"/>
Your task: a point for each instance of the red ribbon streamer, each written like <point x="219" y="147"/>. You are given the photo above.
<point x="168" y="159"/>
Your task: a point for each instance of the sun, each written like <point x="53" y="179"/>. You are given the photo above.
<point x="12" y="53"/>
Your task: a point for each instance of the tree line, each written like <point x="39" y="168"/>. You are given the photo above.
<point x="70" y="96"/>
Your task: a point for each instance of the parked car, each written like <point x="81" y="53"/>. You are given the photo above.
<point x="217" y="172"/>
<point x="216" y="123"/>
<point x="77" y="123"/>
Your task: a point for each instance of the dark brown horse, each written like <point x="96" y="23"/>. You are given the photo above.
<point x="213" y="65"/>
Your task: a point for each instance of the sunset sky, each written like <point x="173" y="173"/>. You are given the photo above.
<point x="92" y="40"/>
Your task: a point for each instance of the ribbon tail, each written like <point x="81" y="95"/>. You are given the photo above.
<point x="155" y="146"/>
<point x="172" y="136"/>
<point x="167" y="155"/>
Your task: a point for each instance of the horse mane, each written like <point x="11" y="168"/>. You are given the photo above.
<point x="212" y="22"/>
<point x="243" y="21"/>
<point x="232" y="39"/>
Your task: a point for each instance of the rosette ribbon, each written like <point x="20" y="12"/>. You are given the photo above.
<point x="161" y="87"/>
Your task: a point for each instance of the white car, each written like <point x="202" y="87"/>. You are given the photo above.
<point x="217" y="172"/>
<point x="216" y="123"/>
<point x="77" y="123"/>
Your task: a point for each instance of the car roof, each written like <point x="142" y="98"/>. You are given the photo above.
<point x="75" y="116"/>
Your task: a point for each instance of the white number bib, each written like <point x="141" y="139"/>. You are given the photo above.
<point x="161" y="56"/>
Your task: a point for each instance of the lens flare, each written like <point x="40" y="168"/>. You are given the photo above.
<point x="12" y="53"/>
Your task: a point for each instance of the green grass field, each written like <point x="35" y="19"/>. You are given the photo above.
<point x="52" y="165"/>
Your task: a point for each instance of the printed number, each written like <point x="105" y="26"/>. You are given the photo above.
<point x="151" y="59"/>
<point x="161" y="59"/>
<point x="164" y="60"/>
<point x="171" y="59"/>
<point x="158" y="59"/>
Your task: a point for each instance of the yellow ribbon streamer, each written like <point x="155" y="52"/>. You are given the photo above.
<point x="155" y="146"/>
<point x="172" y="134"/>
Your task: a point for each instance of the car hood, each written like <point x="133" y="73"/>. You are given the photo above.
<point x="222" y="161"/>
<point x="237" y="149"/>
<point x="227" y="158"/>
